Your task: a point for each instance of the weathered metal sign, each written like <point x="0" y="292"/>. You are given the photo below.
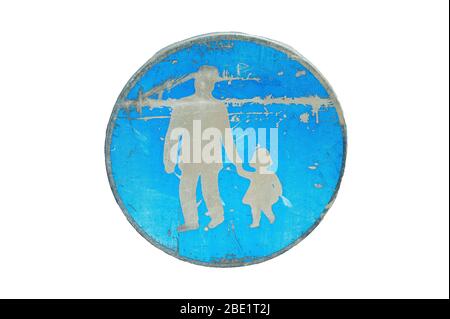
<point x="226" y="149"/>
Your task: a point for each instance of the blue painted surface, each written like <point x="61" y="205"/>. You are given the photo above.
<point x="150" y="195"/>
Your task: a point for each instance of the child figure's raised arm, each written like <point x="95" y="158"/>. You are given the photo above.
<point x="242" y="172"/>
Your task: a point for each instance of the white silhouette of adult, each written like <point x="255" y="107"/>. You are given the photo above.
<point x="205" y="110"/>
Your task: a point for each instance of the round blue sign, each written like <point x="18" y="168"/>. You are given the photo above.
<point x="226" y="149"/>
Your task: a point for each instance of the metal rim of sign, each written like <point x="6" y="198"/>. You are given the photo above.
<point x="160" y="55"/>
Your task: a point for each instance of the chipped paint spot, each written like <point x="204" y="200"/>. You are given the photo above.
<point x="300" y="73"/>
<point x="304" y="118"/>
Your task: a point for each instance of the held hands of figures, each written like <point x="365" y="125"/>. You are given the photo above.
<point x="240" y="170"/>
<point x="169" y="167"/>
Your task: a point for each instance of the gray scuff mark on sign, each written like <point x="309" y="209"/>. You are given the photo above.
<point x="300" y="73"/>
<point x="232" y="229"/>
<point x="286" y="201"/>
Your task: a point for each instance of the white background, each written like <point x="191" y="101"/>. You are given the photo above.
<point x="62" y="66"/>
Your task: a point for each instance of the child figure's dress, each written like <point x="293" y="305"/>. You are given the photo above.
<point x="264" y="190"/>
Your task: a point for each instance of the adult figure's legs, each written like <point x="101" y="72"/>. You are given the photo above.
<point x="211" y="195"/>
<point x="188" y="199"/>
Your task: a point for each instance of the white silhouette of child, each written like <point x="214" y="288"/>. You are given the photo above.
<point x="265" y="187"/>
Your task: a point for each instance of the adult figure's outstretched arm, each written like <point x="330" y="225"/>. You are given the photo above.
<point x="228" y="143"/>
<point x="170" y="143"/>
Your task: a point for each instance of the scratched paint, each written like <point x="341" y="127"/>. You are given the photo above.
<point x="261" y="85"/>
